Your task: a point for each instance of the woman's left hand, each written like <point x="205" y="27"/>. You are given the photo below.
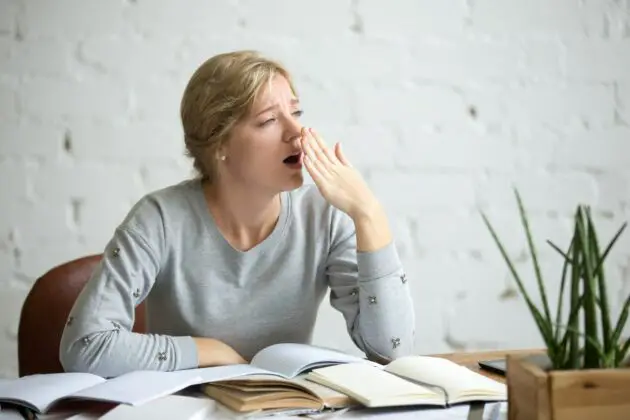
<point x="340" y="184"/>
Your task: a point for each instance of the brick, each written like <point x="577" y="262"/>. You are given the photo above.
<point x="196" y="19"/>
<point x="400" y="104"/>
<point x="606" y="149"/>
<point x="538" y="18"/>
<point x="20" y="139"/>
<point x="84" y="181"/>
<point x="156" y="99"/>
<point x="304" y="19"/>
<point x="541" y="192"/>
<point x="469" y="59"/>
<point x="465" y="233"/>
<point x="133" y="142"/>
<point x="365" y="145"/>
<point x="317" y="100"/>
<point x="623" y="98"/>
<point x="613" y="191"/>
<point x="330" y="330"/>
<point x="7" y="260"/>
<point x="194" y="51"/>
<point x="410" y="19"/>
<point x="550" y="104"/>
<point x="21" y="174"/>
<point x="99" y="217"/>
<point x="8" y="100"/>
<point x="410" y="194"/>
<point x="11" y="300"/>
<point x="93" y="99"/>
<point x="612" y="58"/>
<point x="90" y="17"/>
<point x="348" y="59"/>
<point x="9" y="16"/>
<point x="42" y="257"/>
<point x="469" y="325"/>
<point x="160" y="175"/>
<point x="35" y="223"/>
<point x="142" y="58"/>
<point x="40" y="57"/>
<point x="465" y="148"/>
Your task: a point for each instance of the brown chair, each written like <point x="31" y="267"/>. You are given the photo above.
<point x="46" y="310"/>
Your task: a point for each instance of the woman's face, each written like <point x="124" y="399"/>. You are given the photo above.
<point x="264" y="149"/>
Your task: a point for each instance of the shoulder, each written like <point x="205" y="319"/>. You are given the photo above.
<point x="155" y="211"/>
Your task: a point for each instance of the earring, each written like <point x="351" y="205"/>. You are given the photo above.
<point x="223" y="157"/>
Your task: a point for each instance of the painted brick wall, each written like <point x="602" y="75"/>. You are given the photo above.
<point x="443" y="105"/>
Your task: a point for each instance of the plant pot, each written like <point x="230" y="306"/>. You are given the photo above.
<point x="591" y="394"/>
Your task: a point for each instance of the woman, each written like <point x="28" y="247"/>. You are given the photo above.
<point x="242" y="256"/>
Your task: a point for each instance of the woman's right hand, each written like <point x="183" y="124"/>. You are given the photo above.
<point x="212" y="352"/>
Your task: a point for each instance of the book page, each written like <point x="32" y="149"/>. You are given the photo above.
<point x="374" y="387"/>
<point x="41" y="391"/>
<point x="292" y="359"/>
<point x="221" y="373"/>
<point x="138" y="387"/>
<point x="459" y="382"/>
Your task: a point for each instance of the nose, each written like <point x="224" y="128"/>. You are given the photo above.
<point x="293" y="131"/>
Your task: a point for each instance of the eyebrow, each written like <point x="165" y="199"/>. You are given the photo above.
<point x="294" y="101"/>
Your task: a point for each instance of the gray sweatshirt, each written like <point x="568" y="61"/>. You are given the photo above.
<point x="169" y="252"/>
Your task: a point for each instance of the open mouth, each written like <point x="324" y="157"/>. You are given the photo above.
<point x="293" y="159"/>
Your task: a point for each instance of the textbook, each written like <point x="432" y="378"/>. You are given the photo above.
<point x="410" y="380"/>
<point x="41" y="392"/>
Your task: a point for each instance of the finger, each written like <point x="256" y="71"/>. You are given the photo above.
<point x="313" y="171"/>
<point x="316" y="155"/>
<point x="342" y="158"/>
<point x="321" y="145"/>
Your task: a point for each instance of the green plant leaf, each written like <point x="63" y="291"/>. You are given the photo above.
<point x="621" y="322"/>
<point x="612" y="242"/>
<point x="591" y="359"/>
<point x="592" y="342"/>
<point x="576" y="300"/>
<point x="545" y="328"/>
<point x="565" y="267"/>
<point x="532" y="250"/>
<point x="570" y="335"/>
<point x="561" y="252"/>
<point x="600" y="279"/>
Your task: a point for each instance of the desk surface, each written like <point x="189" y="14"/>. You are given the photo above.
<point x="470" y="359"/>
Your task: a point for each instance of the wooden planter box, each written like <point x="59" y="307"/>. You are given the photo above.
<point x="537" y="394"/>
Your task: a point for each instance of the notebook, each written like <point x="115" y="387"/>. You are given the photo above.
<point x="285" y="360"/>
<point x="410" y="380"/>
<point x="265" y="393"/>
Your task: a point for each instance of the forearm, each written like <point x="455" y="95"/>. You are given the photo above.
<point x="386" y="318"/>
<point x="372" y="229"/>
<point x="115" y="352"/>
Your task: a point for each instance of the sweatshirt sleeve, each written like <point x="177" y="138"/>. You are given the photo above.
<point x="371" y="290"/>
<point x="98" y="335"/>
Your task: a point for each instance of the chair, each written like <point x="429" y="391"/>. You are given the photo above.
<point x="46" y="310"/>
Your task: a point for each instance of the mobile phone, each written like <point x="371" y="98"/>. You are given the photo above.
<point x="498" y="366"/>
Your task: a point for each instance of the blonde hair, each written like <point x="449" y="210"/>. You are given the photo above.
<point x="218" y="95"/>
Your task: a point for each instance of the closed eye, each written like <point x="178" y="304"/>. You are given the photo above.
<point x="297" y="114"/>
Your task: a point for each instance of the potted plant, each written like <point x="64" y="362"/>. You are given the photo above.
<point x="586" y="375"/>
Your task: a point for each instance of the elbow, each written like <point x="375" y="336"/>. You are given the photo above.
<point x="87" y="354"/>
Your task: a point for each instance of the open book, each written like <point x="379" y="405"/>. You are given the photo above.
<point x="282" y="361"/>
<point x="411" y="380"/>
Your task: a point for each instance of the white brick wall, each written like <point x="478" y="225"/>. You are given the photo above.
<point x="443" y="105"/>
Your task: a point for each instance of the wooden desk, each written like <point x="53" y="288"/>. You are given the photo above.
<point x="471" y="359"/>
